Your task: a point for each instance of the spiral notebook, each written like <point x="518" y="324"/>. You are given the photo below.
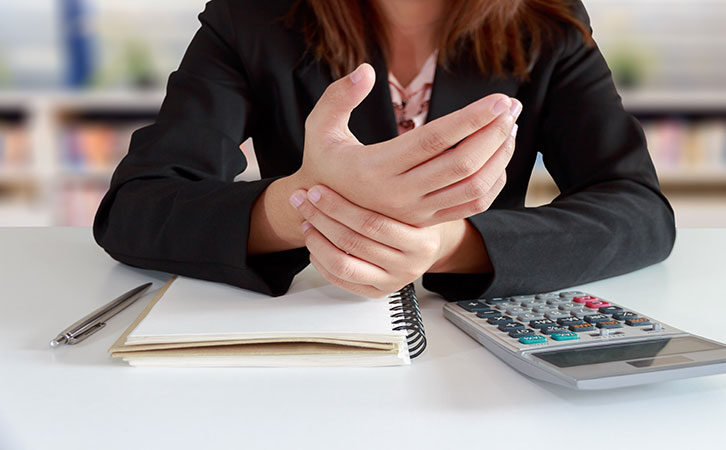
<point x="195" y="323"/>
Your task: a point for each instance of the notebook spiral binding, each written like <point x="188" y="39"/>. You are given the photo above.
<point x="407" y="317"/>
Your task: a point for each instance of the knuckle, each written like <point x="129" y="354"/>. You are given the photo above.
<point x="373" y="224"/>
<point x="433" y="141"/>
<point x="342" y="268"/>
<point x="464" y="166"/>
<point x="478" y="186"/>
<point x="480" y="205"/>
<point x="502" y="130"/>
<point x="350" y="243"/>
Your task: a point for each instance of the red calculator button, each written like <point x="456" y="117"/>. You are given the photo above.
<point x="583" y="299"/>
<point x="596" y="304"/>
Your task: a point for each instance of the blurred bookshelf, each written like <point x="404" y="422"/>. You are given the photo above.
<point x="58" y="151"/>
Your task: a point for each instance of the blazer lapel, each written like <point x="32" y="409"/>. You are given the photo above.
<point x="373" y="120"/>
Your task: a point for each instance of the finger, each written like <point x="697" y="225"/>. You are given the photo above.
<point x="477" y="185"/>
<point x="471" y="208"/>
<point x="370" y="224"/>
<point x="433" y="138"/>
<point x="332" y="111"/>
<point x="346" y="239"/>
<point x="465" y="160"/>
<point x="358" y="289"/>
<point x="344" y="266"/>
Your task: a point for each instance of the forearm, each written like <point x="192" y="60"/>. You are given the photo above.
<point x="274" y="223"/>
<point x="463" y="250"/>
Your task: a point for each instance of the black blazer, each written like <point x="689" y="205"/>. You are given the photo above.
<point x="173" y="206"/>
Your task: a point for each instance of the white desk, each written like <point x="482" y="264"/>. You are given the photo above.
<point x="455" y="394"/>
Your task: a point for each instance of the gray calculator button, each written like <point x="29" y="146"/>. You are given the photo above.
<point x="504" y="306"/>
<point x="554" y="315"/>
<point x="583" y="312"/>
<point x="527" y="317"/>
<point x="517" y="310"/>
<point x="542" y="308"/>
<point x="556" y="302"/>
<point x="539" y="301"/>
<point x="570" y="294"/>
<point x="569" y="306"/>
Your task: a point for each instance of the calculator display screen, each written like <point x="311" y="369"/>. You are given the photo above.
<point x="626" y="352"/>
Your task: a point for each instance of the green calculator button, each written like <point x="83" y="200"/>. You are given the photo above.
<point x="532" y="339"/>
<point x="568" y="336"/>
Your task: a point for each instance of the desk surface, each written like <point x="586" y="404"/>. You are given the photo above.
<point x="455" y="394"/>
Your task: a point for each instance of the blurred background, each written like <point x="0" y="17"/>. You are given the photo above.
<point x="78" y="76"/>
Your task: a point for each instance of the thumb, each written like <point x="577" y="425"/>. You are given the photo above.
<point x="332" y="112"/>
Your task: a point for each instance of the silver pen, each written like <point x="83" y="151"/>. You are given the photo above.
<point x="97" y="319"/>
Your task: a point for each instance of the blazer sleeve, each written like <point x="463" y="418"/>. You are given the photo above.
<point x="173" y="204"/>
<point x="610" y="218"/>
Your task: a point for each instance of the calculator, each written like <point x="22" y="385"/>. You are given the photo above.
<point x="581" y="341"/>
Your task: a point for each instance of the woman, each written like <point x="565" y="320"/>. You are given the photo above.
<point x="354" y="181"/>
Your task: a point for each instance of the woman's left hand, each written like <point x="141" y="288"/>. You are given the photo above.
<point x="362" y="251"/>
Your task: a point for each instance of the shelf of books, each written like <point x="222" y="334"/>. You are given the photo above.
<point x="58" y="151"/>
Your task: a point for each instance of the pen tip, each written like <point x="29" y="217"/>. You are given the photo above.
<point x="54" y="343"/>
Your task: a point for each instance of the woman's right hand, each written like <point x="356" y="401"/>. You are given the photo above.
<point x="417" y="177"/>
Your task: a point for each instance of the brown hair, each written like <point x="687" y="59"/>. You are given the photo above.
<point x="501" y="36"/>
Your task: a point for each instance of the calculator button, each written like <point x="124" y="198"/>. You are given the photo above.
<point x="488" y="314"/>
<point x="580" y="327"/>
<point x="553" y="329"/>
<point x="517" y="310"/>
<point x="511" y="326"/>
<point x="625" y="315"/>
<point x="570" y="320"/>
<point x="584" y="299"/>
<point x="528" y="317"/>
<point x="597" y="304"/>
<point x="546" y="296"/>
<point x="554" y="315"/>
<point x="473" y="305"/>
<point x="541" y="323"/>
<point x="583" y="312"/>
<point x="571" y="294"/>
<point x="532" y="339"/>
<point x="610" y="309"/>
<point x="566" y="336"/>
<point x="637" y="322"/>
<point x="503" y="306"/>
<point x="557" y="301"/>
<point x="610" y="324"/>
<point x="495" y="301"/>
<point x="526" y="303"/>
<point x="595" y="318"/>
<point x="499" y="320"/>
<point x="569" y="306"/>
<point x="520" y="333"/>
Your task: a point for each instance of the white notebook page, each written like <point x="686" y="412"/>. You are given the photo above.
<point x="195" y="310"/>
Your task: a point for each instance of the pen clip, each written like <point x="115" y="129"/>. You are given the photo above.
<point x="78" y="338"/>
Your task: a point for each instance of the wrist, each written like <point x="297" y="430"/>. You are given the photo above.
<point x="462" y="250"/>
<point x="274" y="223"/>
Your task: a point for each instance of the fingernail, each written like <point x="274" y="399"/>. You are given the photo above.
<point x="314" y="195"/>
<point x="501" y="106"/>
<point x="305" y="226"/>
<point x="516" y="108"/>
<point x="514" y="130"/>
<point x="296" y="199"/>
<point x="356" y="75"/>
